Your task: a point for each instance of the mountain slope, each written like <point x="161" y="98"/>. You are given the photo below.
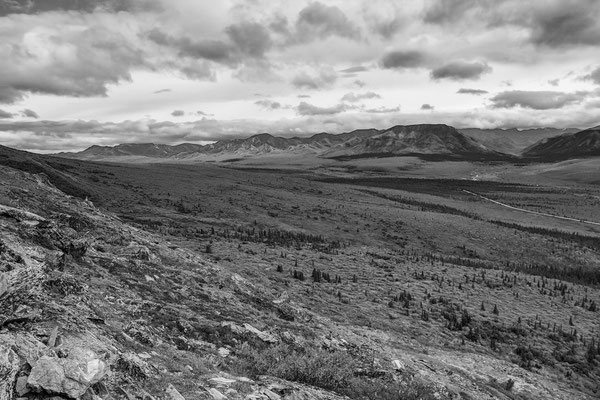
<point x="512" y="141"/>
<point x="585" y="143"/>
<point x="414" y="139"/>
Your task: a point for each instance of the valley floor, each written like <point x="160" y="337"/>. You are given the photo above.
<point x="362" y="279"/>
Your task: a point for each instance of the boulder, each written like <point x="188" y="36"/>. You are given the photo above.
<point x="71" y="376"/>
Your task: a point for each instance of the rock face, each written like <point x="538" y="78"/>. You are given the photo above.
<point x="71" y="376"/>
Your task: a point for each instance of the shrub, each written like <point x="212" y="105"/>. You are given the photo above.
<point x="334" y="370"/>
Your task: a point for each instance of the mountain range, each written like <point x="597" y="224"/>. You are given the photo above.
<point x="425" y="140"/>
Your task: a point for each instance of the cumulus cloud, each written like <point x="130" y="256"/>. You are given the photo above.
<point x="5" y="114"/>
<point x="305" y="108"/>
<point x="403" y="59"/>
<point x="178" y="113"/>
<point x="356" y="97"/>
<point x="53" y="58"/>
<point x="476" y="92"/>
<point x="325" y="78"/>
<point x="29" y="113"/>
<point x="460" y="70"/>
<point x="536" y="100"/>
<point x="427" y="107"/>
<point x="318" y="20"/>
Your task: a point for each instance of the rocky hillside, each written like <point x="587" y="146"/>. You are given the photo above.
<point x="440" y="140"/>
<point x="585" y="143"/>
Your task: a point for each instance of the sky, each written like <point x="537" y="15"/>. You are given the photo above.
<point x="76" y="73"/>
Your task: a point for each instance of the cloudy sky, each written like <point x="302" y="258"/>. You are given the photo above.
<point x="79" y="72"/>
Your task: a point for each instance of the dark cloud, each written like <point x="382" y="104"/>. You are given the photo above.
<point x="594" y="76"/>
<point x="353" y="70"/>
<point x="427" y="107"/>
<point x="554" y="82"/>
<point x="178" y="113"/>
<point x="476" y="92"/>
<point x="460" y="70"/>
<point x="29" y="113"/>
<point x="565" y="23"/>
<point x="324" y="79"/>
<point x="403" y="59"/>
<point x="443" y="11"/>
<point x="41" y="6"/>
<point x="212" y="50"/>
<point x="356" y="97"/>
<point x="359" y="83"/>
<point x="10" y="95"/>
<point x="320" y="21"/>
<point x="203" y="114"/>
<point x="386" y="28"/>
<point x="268" y="104"/>
<point x="161" y="91"/>
<point x="5" y="114"/>
<point x="250" y="38"/>
<point x="303" y="96"/>
<point x="536" y="100"/>
<point x="309" y="109"/>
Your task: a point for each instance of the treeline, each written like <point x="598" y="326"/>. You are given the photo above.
<point x="580" y="275"/>
<point x="582" y="240"/>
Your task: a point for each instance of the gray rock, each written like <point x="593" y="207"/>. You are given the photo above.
<point x="21" y="386"/>
<point x="71" y="376"/>
<point x="216" y="395"/>
<point x="173" y="393"/>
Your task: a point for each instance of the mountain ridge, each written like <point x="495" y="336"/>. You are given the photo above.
<point x="426" y="139"/>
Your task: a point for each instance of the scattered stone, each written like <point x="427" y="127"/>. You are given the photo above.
<point x="173" y="393"/>
<point x="134" y="366"/>
<point x="223" y="352"/>
<point x="221" y="381"/>
<point x="398" y="365"/>
<point x="264" y="336"/>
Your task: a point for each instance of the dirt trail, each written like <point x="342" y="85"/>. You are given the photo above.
<point x="532" y="212"/>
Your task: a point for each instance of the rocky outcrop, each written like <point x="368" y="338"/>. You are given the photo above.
<point x="71" y="376"/>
